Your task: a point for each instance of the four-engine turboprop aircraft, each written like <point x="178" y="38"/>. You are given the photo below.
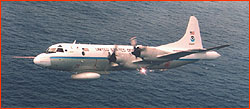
<point x="89" y="60"/>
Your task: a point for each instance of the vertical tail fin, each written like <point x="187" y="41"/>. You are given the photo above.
<point x="191" y="39"/>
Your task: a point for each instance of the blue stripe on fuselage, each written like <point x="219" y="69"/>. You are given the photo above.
<point x="107" y="58"/>
<point x="78" y="58"/>
<point x="188" y="59"/>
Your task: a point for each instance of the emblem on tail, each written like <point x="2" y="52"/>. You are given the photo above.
<point x="192" y="39"/>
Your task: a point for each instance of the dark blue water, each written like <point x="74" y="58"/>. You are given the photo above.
<point x="28" y="28"/>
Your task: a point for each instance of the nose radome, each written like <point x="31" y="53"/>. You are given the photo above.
<point x="36" y="60"/>
<point x="42" y="60"/>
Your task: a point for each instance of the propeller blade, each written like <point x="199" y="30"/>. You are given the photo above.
<point x="112" y="57"/>
<point x="115" y="49"/>
<point x="137" y="50"/>
<point x="133" y="41"/>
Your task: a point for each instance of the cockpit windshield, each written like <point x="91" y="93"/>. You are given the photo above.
<point x="54" y="50"/>
<point x="59" y="50"/>
<point x="51" y="50"/>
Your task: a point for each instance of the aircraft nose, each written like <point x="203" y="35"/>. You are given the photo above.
<point x="42" y="60"/>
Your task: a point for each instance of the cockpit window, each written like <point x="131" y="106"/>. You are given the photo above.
<point x="51" y="50"/>
<point x="54" y="50"/>
<point x="59" y="50"/>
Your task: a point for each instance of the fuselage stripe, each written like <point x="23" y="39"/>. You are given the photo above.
<point x="188" y="59"/>
<point x="78" y="58"/>
<point x="107" y="58"/>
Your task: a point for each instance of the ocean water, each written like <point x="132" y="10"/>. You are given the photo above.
<point x="29" y="28"/>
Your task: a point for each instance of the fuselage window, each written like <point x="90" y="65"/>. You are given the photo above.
<point x="59" y="50"/>
<point x="85" y="49"/>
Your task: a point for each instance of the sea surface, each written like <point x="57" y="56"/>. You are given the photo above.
<point x="28" y="28"/>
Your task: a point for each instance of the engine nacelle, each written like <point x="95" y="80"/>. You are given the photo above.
<point x="150" y="54"/>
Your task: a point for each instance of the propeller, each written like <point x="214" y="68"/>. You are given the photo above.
<point x="112" y="57"/>
<point x="137" y="50"/>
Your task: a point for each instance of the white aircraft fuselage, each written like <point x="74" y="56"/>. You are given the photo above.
<point x="88" y="57"/>
<point x="93" y="59"/>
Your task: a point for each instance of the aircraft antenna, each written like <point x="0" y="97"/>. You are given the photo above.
<point x="74" y="42"/>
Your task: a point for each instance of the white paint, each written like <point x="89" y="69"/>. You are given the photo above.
<point x="92" y="58"/>
<point x="87" y="75"/>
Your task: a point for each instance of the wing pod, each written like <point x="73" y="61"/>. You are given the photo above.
<point x="86" y="75"/>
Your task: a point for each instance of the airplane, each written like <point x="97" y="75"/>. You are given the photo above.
<point x="89" y="61"/>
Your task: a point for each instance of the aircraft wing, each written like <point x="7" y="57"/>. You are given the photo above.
<point x="177" y="55"/>
<point x="180" y="54"/>
<point x="167" y="57"/>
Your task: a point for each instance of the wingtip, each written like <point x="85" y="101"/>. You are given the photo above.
<point x="227" y="45"/>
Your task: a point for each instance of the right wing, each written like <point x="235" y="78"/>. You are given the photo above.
<point x="174" y="56"/>
<point x="177" y="55"/>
